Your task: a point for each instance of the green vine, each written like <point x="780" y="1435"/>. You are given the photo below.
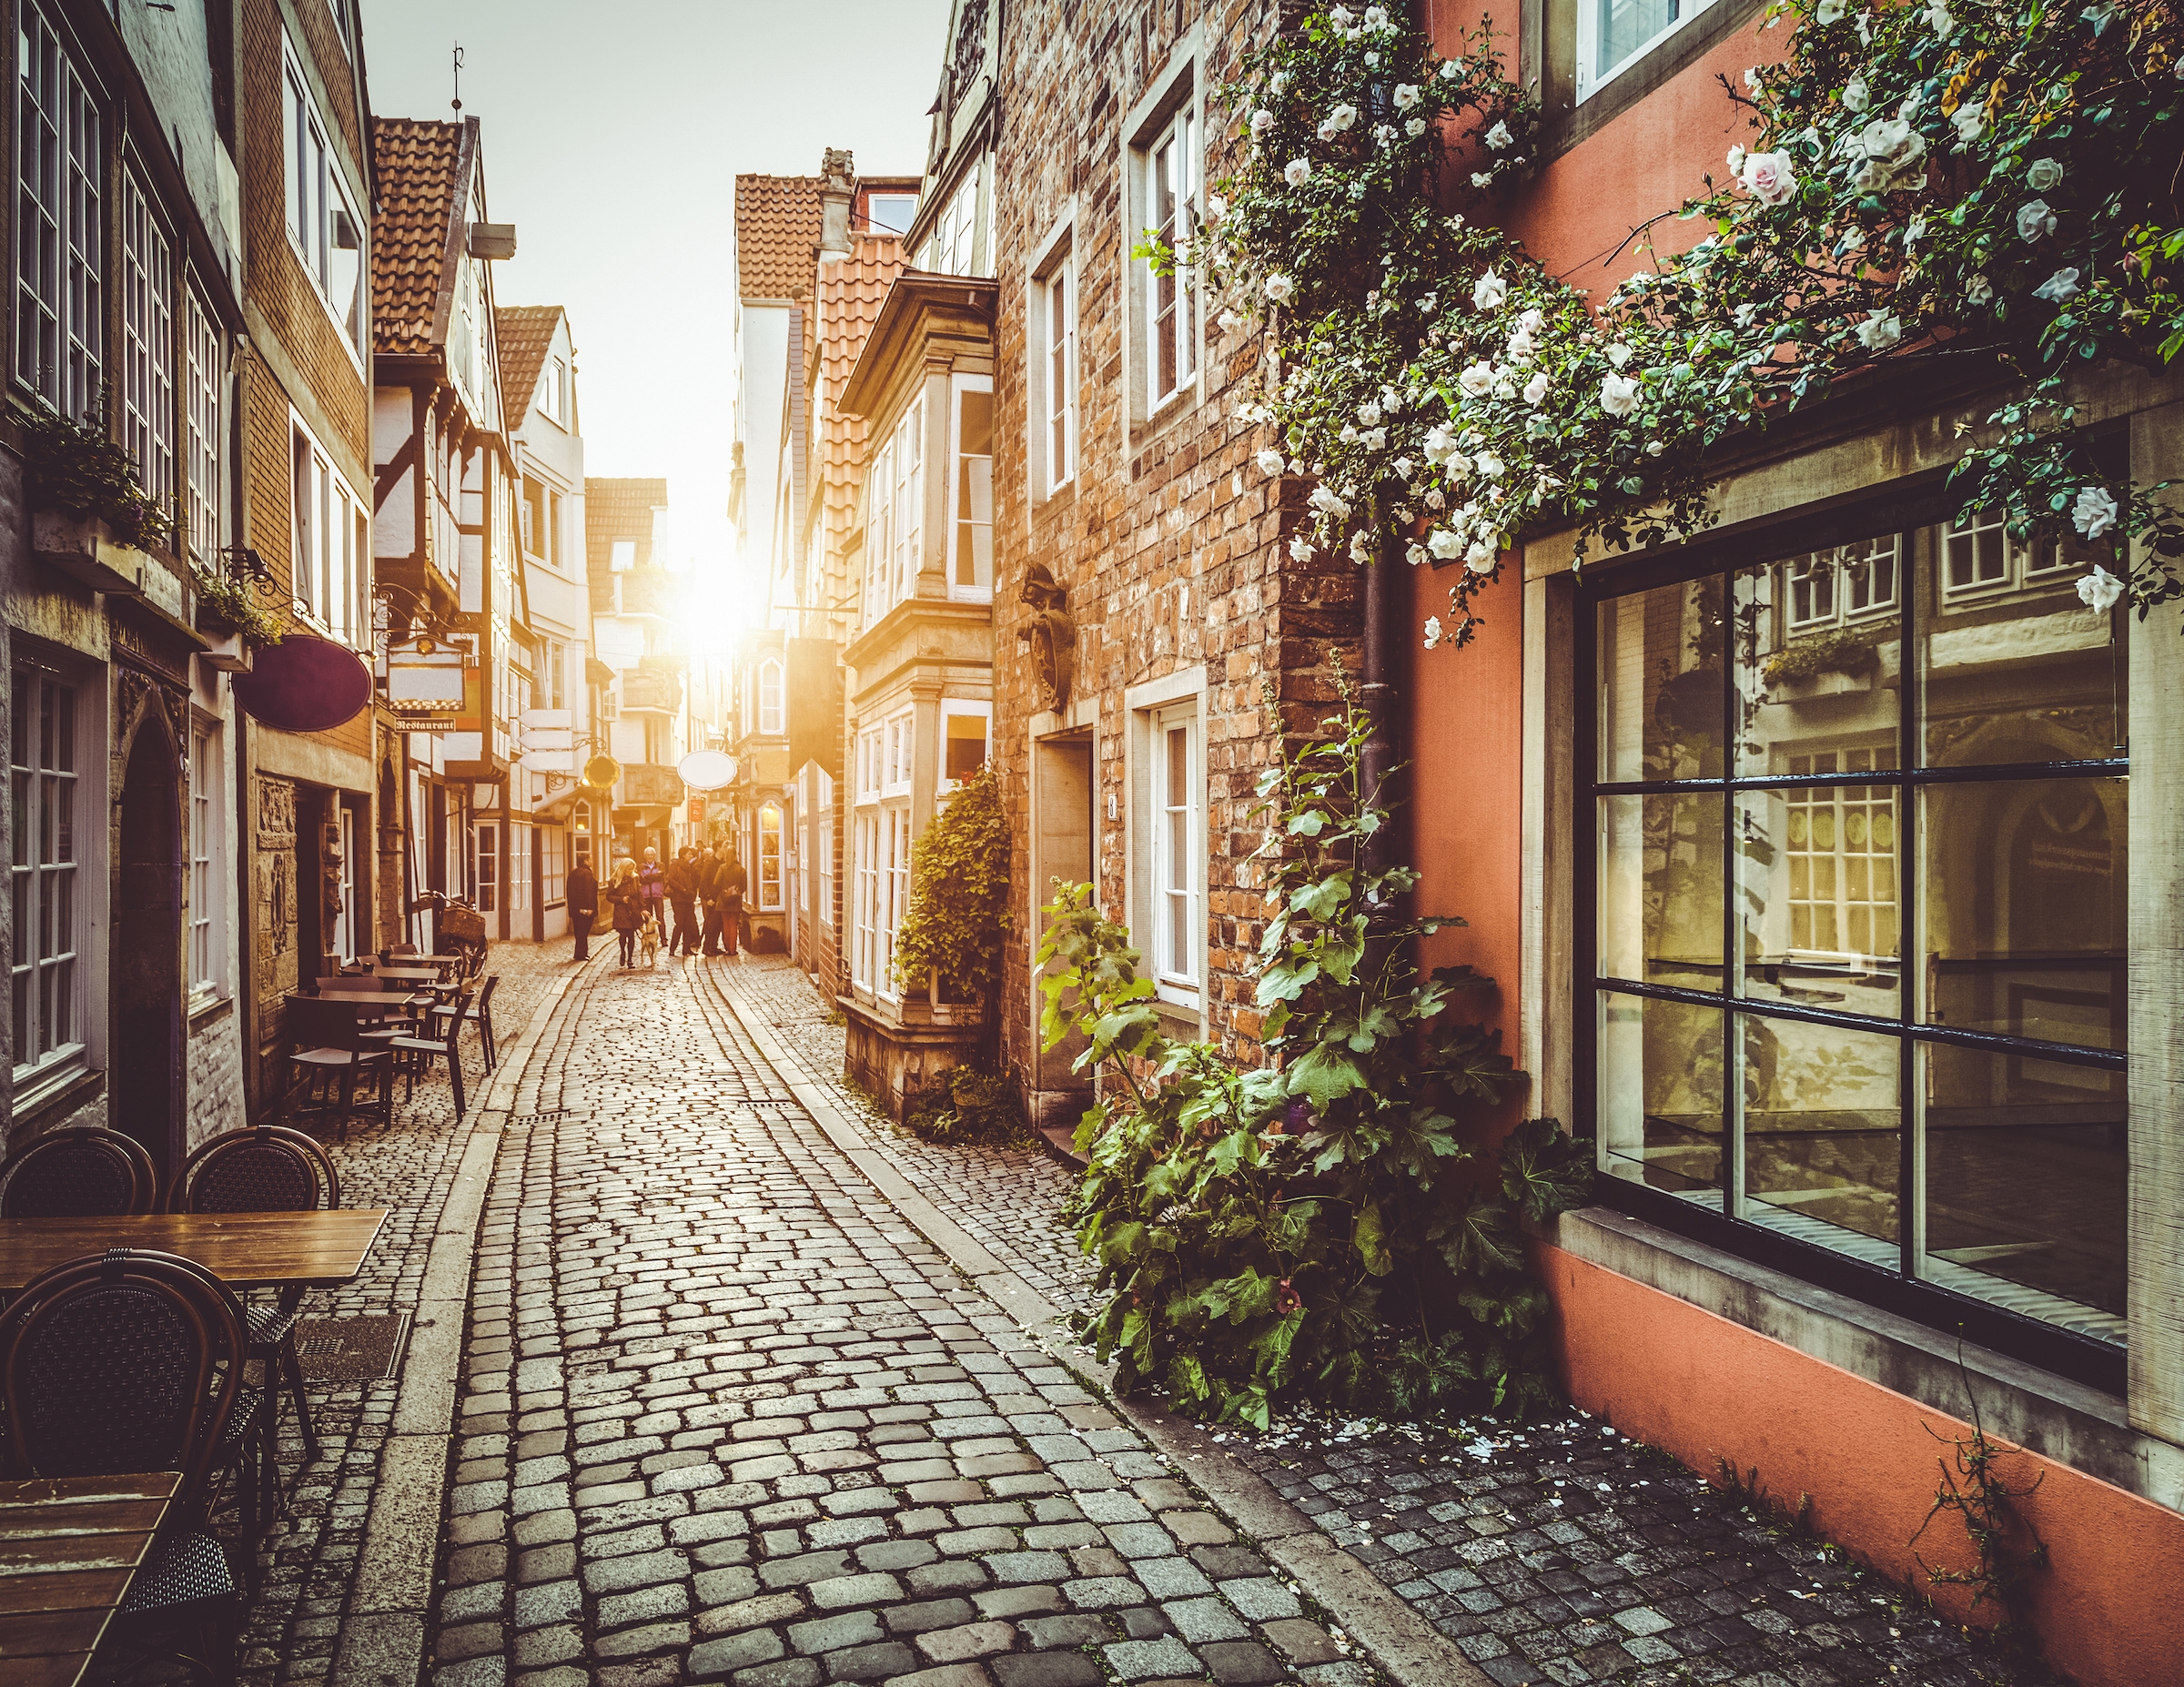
<point x="1948" y="181"/>
<point x="959" y="915"/>
<point x="1339" y="1222"/>
<point x="233" y="598"/>
<point x="1985" y="1503"/>
<point x="79" y="469"/>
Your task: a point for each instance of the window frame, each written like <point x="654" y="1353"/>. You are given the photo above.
<point x="960" y="465"/>
<point x="770" y="889"/>
<point x="148" y="375"/>
<point x="965" y="709"/>
<point x="1900" y="1289"/>
<point x="1053" y="363"/>
<point x="772" y="717"/>
<point x="67" y="299"/>
<point x="1180" y="978"/>
<point x="323" y="516"/>
<point x="1178" y="130"/>
<point x="205" y="954"/>
<point x="1590" y="82"/>
<point x="204" y="379"/>
<point x="29" y="794"/>
<point x="310" y="151"/>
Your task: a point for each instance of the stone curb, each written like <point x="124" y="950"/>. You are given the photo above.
<point x="383" y="1627"/>
<point x="1395" y="1637"/>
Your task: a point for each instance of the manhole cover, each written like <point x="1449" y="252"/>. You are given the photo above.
<point x="351" y="1350"/>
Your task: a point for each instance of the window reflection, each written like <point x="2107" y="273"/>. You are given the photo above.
<point x="1661" y="1093"/>
<point x="1661" y="889"/>
<point x="1817" y="887"/>
<point x="1823" y="1114"/>
<point x="1661" y="700"/>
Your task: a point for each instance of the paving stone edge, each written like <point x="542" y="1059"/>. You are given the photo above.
<point x="1395" y="1637"/>
<point x="383" y="1628"/>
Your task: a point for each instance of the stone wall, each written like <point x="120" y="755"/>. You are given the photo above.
<point x="274" y="935"/>
<point x="213" y="1078"/>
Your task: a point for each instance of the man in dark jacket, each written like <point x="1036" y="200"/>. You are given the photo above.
<point x="584" y="905"/>
<point x="683" y="896"/>
<point x="733" y="882"/>
<point x="709" y="894"/>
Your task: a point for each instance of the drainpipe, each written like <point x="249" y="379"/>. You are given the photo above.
<point x="1376" y="693"/>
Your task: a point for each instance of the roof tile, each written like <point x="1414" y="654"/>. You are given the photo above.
<point x="777" y="220"/>
<point x="417" y="161"/>
<point x="850" y="291"/>
<point x="524" y="332"/>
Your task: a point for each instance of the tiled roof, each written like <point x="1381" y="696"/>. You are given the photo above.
<point x="524" y="332"/>
<point x="419" y="163"/>
<point x="776" y="233"/>
<point x="617" y="509"/>
<point x="850" y="294"/>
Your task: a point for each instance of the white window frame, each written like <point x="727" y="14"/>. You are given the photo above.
<point x="770" y="889"/>
<point x="872" y="223"/>
<point x="205" y="381"/>
<point x="485" y="864"/>
<point x="1829" y="572"/>
<point x="33" y="790"/>
<point x="1169" y="124"/>
<point x="964" y="475"/>
<point x="951" y="247"/>
<point x="148" y="342"/>
<point x="1591" y="81"/>
<point x="966" y="709"/>
<point x="315" y="193"/>
<point x="894" y="513"/>
<point x="553" y="383"/>
<point x="1156" y="706"/>
<point x="329" y="543"/>
<point x="1059" y="369"/>
<point x="621" y="556"/>
<point x="207" y="954"/>
<point x="771" y="711"/>
<point x="60" y="263"/>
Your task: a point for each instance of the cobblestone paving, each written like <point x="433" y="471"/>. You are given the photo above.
<point x="1010" y="1199"/>
<point x="727" y="1417"/>
<point x="311" y="1554"/>
<point x="1565" y="1552"/>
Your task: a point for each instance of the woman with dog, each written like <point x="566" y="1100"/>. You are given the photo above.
<point x="628" y="897"/>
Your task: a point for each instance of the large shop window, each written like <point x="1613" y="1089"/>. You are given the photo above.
<point x="324" y="229"/>
<point x="43" y="742"/>
<point x="147" y="344"/>
<point x="1858" y="927"/>
<point x="61" y="176"/>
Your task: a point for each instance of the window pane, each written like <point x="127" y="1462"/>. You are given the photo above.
<point x="1661" y="889"/>
<point x="2024" y="904"/>
<point x="975" y="490"/>
<point x="1821" y="1134"/>
<point x="1818" y="891"/>
<point x="1623" y="26"/>
<point x="1811" y="671"/>
<point x="1660" y="1104"/>
<point x="1661" y="688"/>
<point x="2026" y="1177"/>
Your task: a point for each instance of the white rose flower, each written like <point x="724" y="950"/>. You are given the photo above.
<point x="2095" y="511"/>
<point x="1349" y="435"/>
<point x="1375" y="439"/>
<point x="1279" y="287"/>
<point x="1451" y="69"/>
<point x="1269" y="461"/>
<point x="1343" y="117"/>
<point x="1327" y="131"/>
<point x="1828" y="12"/>
<point x="1939" y="20"/>
<point x="1416" y="556"/>
<point x="1406" y="95"/>
<point x="1300" y="549"/>
<point x="1500" y="139"/>
<point x="1441" y="444"/>
<point x="2035" y="220"/>
<point x="1894" y="149"/>
<point x="1619" y="394"/>
<point x="2043" y="174"/>
<point x="1391" y="401"/>
<point x="1489" y="465"/>
<point x="1403" y="465"/>
<point x="1278" y="82"/>
<point x="1460" y="467"/>
<point x="1977" y="289"/>
<point x="1482" y="178"/>
<point x="2099" y="589"/>
<point x="1384" y="135"/>
<point x="1296" y="172"/>
<point x="1736" y="163"/>
<point x="1970" y="119"/>
<point x="1217" y="208"/>
<point x="1752" y="80"/>
<point x="2060" y="288"/>
<point x="1433" y="630"/>
<point x="1341" y="16"/>
<point x="1376" y="17"/>
<point x="1746" y="312"/>
<point x="1537" y="387"/>
<point x="1325" y="499"/>
<point x="1520" y="342"/>
<point x="1618" y="355"/>
<point x="1488" y="291"/>
<point x="1444" y="544"/>
<point x="1768" y="177"/>
<point x="1653" y="448"/>
<point x="1261" y="121"/>
<point x="1856" y="96"/>
<point x="1479" y="559"/>
<point x="1361" y="547"/>
<point x="1914" y="230"/>
<point x="1879" y="331"/>
<point x="1369" y="413"/>
<point x="1477" y="381"/>
<point x="1415" y="128"/>
<point x="1435" y="500"/>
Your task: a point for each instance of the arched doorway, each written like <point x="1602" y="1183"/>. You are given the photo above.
<point x="144" y="1065"/>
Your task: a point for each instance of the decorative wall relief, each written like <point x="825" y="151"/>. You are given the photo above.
<point x="1052" y="636"/>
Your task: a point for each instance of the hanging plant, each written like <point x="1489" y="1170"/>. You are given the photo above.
<point x="78" y="469"/>
<point x="232" y="599"/>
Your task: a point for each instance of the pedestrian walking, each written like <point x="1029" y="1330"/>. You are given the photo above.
<point x="709" y="894"/>
<point x="652" y="878"/>
<point x="683" y="896"/>
<point x="584" y="905"/>
<point x="734" y="882"/>
<point x="628" y="899"/>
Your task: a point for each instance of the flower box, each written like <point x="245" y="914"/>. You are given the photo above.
<point x="78" y="547"/>
<point x="229" y="652"/>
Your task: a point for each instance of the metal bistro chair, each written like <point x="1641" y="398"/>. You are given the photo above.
<point x="481" y="1014"/>
<point x="84" y="1172"/>
<point x="265" y="1168"/>
<point x="132" y="1361"/>
<point x="414" y="1050"/>
<point x="328" y="1048"/>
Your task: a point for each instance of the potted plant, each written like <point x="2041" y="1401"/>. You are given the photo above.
<point x="86" y="503"/>
<point x="1803" y="667"/>
<point x="231" y="611"/>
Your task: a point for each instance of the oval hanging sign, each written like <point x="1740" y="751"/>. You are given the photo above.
<point x="707" y="769"/>
<point x="304" y="684"/>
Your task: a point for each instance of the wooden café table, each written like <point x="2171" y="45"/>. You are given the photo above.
<point x="68" y="1547"/>
<point x="244" y="1251"/>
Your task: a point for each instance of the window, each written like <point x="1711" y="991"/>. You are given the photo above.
<point x="59" y="268"/>
<point x="557" y="674"/>
<point x="769" y="856"/>
<point x="971" y="492"/>
<point x="332" y="560"/>
<point x="553" y="866"/>
<point x="880" y="839"/>
<point x="579" y="834"/>
<point x="324" y="229"/>
<point x="1168" y="208"/>
<point x="1057" y="318"/>
<point x="890" y="212"/>
<point x="485" y="865"/>
<point x="1177" y="823"/>
<point x="1983" y="556"/>
<point x="207" y="373"/>
<point x="553" y="390"/>
<point x="1613" y="35"/>
<point x="897" y="497"/>
<point x="826" y="848"/>
<point x="950" y="250"/>
<point x="148" y="345"/>
<point x="964" y="730"/>
<point x="1858" y="953"/>
<point x="206" y="951"/>
<point x="42" y="772"/>
<point x="770" y="696"/>
<point x="623" y="556"/>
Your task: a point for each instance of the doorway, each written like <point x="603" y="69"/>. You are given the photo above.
<point x="143" y="1075"/>
<point x="1061" y="848"/>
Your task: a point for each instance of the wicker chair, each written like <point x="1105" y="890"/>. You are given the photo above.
<point x="131" y="1361"/>
<point x="86" y="1172"/>
<point x="265" y="1168"/>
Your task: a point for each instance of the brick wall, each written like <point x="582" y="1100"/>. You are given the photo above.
<point x="215" y="1080"/>
<point x="1171" y="546"/>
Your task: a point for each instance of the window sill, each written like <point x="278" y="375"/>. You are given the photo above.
<point x="1164" y="416"/>
<point x="48" y="1097"/>
<point x="208" y="1009"/>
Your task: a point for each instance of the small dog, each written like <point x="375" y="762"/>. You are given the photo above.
<point x="648" y="940"/>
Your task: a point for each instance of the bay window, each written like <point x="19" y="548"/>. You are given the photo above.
<point x="896" y="511"/>
<point x="971" y="491"/>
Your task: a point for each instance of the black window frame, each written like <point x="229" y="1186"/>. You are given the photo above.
<point x="2083" y="1358"/>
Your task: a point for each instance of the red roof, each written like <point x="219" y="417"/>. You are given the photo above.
<point x="523" y="332"/>
<point x="777" y="222"/>
<point x="420" y="163"/>
<point x="850" y="291"/>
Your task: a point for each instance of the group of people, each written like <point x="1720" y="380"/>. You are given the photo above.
<point x="702" y="888"/>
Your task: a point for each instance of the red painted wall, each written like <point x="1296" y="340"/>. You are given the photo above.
<point x="1700" y="1388"/>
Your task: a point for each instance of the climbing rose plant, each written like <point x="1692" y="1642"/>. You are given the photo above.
<point x="1337" y="1222"/>
<point x="1944" y="181"/>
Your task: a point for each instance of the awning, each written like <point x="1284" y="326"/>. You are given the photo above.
<point x="555" y="810"/>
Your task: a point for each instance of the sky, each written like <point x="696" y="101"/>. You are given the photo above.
<point x="613" y="131"/>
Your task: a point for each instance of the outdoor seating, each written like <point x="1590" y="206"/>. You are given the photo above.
<point x="127" y="1362"/>
<point x="479" y="1014"/>
<point x="263" y="1170"/>
<point x="85" y="1172"/>
<point x="329" y="1050"/>
<point x="416" y="1050"/>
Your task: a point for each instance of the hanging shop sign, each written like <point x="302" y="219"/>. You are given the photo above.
<point x="304" y="684"/>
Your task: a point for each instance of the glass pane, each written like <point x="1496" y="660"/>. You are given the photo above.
<point x="2022" y="903"/>
<point x="1821" y="1134"/>
<point x="1661" y="1094"/>
<point x="1817" y="893"/>
<point x="1819" y="646"/>
<point x="1623" y="26"/>
<point x="1661" y="704"/>
<point x="1661" y="889"/>
<point x="2026" y="1173"/>
<point x="2012" y="666"/>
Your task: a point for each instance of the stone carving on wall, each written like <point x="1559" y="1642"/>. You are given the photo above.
<point x="1052" y="636"/>
<point x="329" y="874"/>
<point x="970" y="50"/>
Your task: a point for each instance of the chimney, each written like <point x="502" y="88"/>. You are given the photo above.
<point x="837" y="192"/>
